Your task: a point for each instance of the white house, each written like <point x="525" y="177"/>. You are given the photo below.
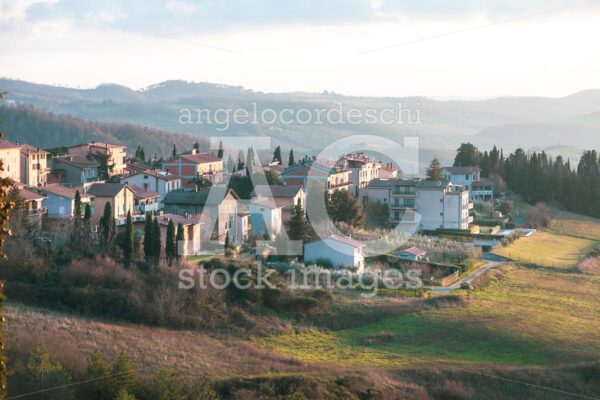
<point x="265" y="217"/>
<point x="154" y="180"/>
<point x="145" y="201"/>
<point x="340" y="250"/>
<point x="470" y="178"/>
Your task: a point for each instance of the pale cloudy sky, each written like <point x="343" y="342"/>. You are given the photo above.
<point x="475" y="48"/>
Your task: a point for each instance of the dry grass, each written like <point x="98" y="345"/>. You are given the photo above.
<point x="71" y="339"/>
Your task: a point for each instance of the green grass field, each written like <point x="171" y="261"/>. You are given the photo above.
<point x="531" y="317"/>
<point x="548" y="249"/>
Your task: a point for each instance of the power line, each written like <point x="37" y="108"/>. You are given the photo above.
<point x="473" y="28"/>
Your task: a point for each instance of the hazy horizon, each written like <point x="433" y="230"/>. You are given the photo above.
<point x="378" y="48"/>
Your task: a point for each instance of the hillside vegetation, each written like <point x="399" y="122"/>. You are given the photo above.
<point x="43" y="129"/>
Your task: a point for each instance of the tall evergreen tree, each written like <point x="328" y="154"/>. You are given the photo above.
<point x="107" y="228"/>
<point x="86" y="231"/>
<point x="142" y="154"/>
<point x="196" y="146"/>
<point x="76" y="233"/>
<point x="467" y="155"/>
<point x="220" y="152"/>
<point x="230" y="164"/>
<point x="291" y="160"/>
<point x="148" y="237"/>
<point x="277" y="155"/>
<point x="434" y="172"/>
<point x="123" y="375"/>
<point x="156" y="241"/>
<point x="170" y="245"/>
<point x="174" y="152"/>
<point x="128" y="242"/>
<point x="250" y="161"/>
<point x="96" y="373"/>
<point x="298" y="224"/>
<point x="179" y="239"/>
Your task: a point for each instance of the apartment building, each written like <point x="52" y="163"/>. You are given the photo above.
<point x="323" y="171"/>
<point x="158" y="181"/>
<point x="116" y="154"/>
<point x="363" y="169"/>
<point x="71" y="170"/>
<point x="10" y="155"/>
<point x="433" y="204"/>
<point x="34" y="166"/>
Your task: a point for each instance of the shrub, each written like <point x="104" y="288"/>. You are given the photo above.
<point x="302" y="306"/>
<point x="539" y="216"/>
<point x="324" y="262"/>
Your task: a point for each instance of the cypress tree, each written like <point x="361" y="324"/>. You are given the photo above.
<point x="170" y="245"/>
<point x="86" y="236"/>
<point x="220" y="152"/>
<point x="156" y="241"/>
<point x="277" y="154"/>
<point x="128" y="243"/>
<point x="148" y="237"/>
<point x="174" y="150"/>
<point x="299" y="224"/>
<point x="179" y="239"/>
<point x="107" y="227"/>
<point x="291" y="160"/>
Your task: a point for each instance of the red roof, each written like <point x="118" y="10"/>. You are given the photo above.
<point x="5" y="144"/>
<point x="139" y="191"/>
<point x="29" y="195"/>
<point x="414" y="251"/>
<point x="62" y="191"/>
<point x="346" y="240"/>
<point x="200" y="158"/>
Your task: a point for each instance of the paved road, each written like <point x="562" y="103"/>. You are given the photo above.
<point x="466" y="279"/>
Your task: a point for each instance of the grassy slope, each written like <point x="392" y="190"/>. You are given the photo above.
<point x="533" y="316"/>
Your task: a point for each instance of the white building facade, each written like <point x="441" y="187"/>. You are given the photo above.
<point x="339" y="250"/>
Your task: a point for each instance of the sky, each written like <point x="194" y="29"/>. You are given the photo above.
<point x="436" y="48"/>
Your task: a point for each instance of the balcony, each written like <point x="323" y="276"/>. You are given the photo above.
<point x="404" y="194"/>
<point x="471" y="205"/>
<point x="401" y="206"/>
<point x="470" y="219"/>
<point x="339" y="185"/>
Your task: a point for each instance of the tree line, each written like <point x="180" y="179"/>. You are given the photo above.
<point x="539" y="177"/>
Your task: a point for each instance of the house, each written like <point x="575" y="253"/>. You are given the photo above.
<point x="340" y="250"/>
<point x="34" y="166"/>
<point x="194" y="165"/>
<point x="154" y="180"/>
<point x="71" y="170"/>
<point x="216" y="205"/>
<point x="116" y="154"/>
<point x="242" y="227"/>
<point x="413" y="254"/>
<point x="362" y="168"/>
<point x="145" y="201"/>
<point x="60" y="200"/>
<point x="32" y="206"/>
<point x="480" y="189"/>
<point x="431" y="204"/>
<point x="136" y="167"/>
<point x="287" y="197"/>
<point x="265" y="217"/>
<point x="10" y="155"/>
<point x="190" y="246"/>
<point x="119" y="195"/>
<point x="387" y="171"/>
<point x="322" y="171"/>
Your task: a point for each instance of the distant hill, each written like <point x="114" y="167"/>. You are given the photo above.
<point x="508" y="122"/>
<point x="43" y="129"/>
<point x="582" y="132"/>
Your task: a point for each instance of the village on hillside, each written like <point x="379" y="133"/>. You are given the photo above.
<point x="207" y="205"/>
